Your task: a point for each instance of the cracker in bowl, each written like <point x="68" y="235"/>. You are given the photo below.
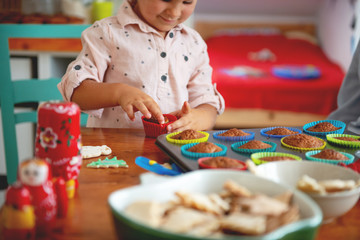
<point x="310" y="185"/>
<point x="235" y="211"/>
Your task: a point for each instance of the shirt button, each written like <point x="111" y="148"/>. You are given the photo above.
<point x="163" y="54"/>
<point x="163" y="78"/>
<point x="171" y="35"/>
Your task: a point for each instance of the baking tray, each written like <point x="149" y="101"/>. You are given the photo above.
<point x="191" y="164"/>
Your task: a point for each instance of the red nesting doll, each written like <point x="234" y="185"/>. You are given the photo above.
<point x="58" y="140"/>
<point x="35" y="175"/>
<point x="18" y="217"/>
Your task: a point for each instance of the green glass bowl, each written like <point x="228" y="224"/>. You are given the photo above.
<point x="209" y="181"/>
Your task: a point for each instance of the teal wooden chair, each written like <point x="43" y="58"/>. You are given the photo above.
<point x="27" y="90"/>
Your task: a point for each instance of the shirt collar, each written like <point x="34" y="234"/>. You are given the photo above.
<point x="127" y="16"/>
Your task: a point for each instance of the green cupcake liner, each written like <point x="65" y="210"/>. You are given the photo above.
<point x="182" y="142"/>
<point x="196" y="155"/>
<point x="335" y="162"/>
<point x="255" y="157"/>
<point x="331" y="138"/>
<point x="235" y="148"/>
<point x="303" y="149"/>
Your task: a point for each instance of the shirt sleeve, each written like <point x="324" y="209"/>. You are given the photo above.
<point x="91" y="63"/>
<point x="200" y="87"/>
<point x="349" y="95"/>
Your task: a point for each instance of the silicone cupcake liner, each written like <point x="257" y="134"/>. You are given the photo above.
<point x="335" y="162"/>
<point x="235" y="138"/>
<point x="348" y="144"/>
<point x="264" y="130"/>
<point x="303" y="149"/>
<point x="235" y="148"/>
<point x="336" y="123"/>
<point x="195" y="155"/>
<point x="202" y="165"/>
<point x="182" y="142"/>
<point x="255" y="157"/>
<point x="154" y="129"/>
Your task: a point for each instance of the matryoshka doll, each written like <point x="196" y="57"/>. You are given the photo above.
<point x="58" y="140"/>
<point x="17" y="216"/>
<point x="35" y="175"/>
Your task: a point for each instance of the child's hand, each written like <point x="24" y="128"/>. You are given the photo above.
<point x="132" y="100"/>
<point x="129" y="98"/>
<point x="200" y="118"/>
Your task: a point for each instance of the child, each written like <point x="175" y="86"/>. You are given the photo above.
<point x="143" y="61"/>
<point x="348" y="100"/>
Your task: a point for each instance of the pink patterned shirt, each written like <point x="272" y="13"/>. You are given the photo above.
<point x="125" y="49"/>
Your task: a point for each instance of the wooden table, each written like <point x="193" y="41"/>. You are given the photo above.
<point x="89" y="215"/>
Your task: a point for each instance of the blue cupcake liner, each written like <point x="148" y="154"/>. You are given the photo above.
<point x="336" y="123"/>
<point x="195" y="155"/>
<point x="335" y="162"/>
<point x="235" y="148"/>
<point x="264" y="130"/>
<point x="235" y="138"/>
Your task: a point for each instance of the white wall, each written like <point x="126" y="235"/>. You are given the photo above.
<point x="257" y="10"/>
<point x="259" y="7"/>
<point x="356" y="36"/>
<point x="335" y="33"/>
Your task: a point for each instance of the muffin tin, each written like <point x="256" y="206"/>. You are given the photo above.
<point x="190" y="164"/>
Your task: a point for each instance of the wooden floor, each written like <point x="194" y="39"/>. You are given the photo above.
<point x="255" y="118"/>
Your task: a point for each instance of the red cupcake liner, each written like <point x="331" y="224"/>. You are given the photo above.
<point x="202" y="165"/>
<point x="154" y="130"/>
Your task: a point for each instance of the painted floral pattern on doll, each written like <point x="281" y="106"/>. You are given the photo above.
<point x="48" y="139"/>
